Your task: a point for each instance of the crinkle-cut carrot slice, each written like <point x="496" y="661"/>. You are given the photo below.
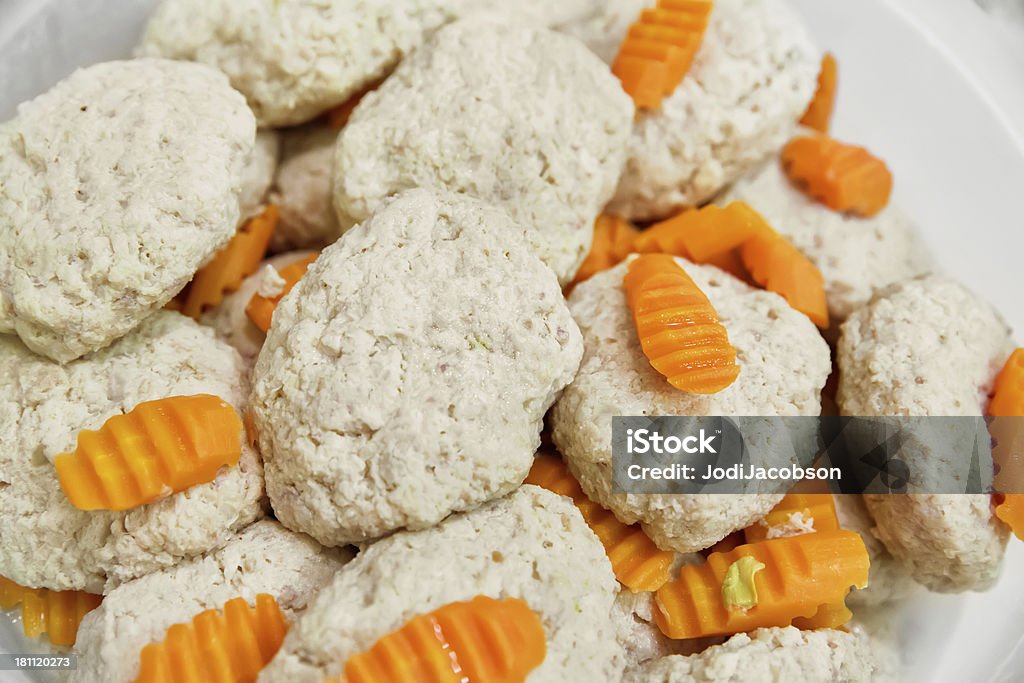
<point x="159" y="448"/>
<point x="232" y="264"/>
<point x="800" y="574"/>
<point x="833" y="615"/>
<point x="819" y="112"/>
<point x="613" y="242"/>
<point x="1007" y="438"/>
<point x="483" y="639"/>
<point x="1010" y="510"/>
<point x="692" y="16"/>
<point x="659" y="49"/>
<point x="842" y="177"/>
<point x="814" y="510"/>
<point x="732" y="263"/>
<point x="659" y="45"/>
<point x="11" y="593"/>
<point x="1006" y="426"/>
<point x="56" y="614"/>
<point x="1008" y="391"/>
<point x="701" y="235"/>
<point x="778" y="266"/>
<point x="218" y="646"/>
<point x="677" y="326"/>
<point x="642" y="79"/>
<point x="637" y="563"/>
<point x="260" y="309"/>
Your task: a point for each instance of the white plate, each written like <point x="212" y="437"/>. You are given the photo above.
<point x="959" y="168"/>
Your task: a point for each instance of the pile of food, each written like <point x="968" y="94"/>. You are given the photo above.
<point x="315" y="315"/>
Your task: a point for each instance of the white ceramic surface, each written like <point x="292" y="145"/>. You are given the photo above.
<point x="944" y="114"/>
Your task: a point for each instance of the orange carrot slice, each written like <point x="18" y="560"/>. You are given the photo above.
<point x="159" y="448"/>
<point x="842" y="177"/>
<point x="1008" y="392"/>
<point x="701" y="235"/>
<point x="819" y="112"/>
<point x="636" y="562"/>
<point x="229" y="646"/>
<point x="738" y="240"/>
<point x="678" y="327"/>
<point x="642" y="79"/>
<point x="778" y="266"/>
<point x="659" y="49"/>
<point x="11" y="593"/>
<point x="261" y="309"/>
<point x="613" y="242"/>
<point x="56" y="614"/>
<point x="732" y="263"/>
<point x="498" y="641"/>
<point x="816" y="510"/>
<point x="1007" y="410"/>
<point x="1010" y="510"/>
<point x="800" y="574"/>
<point x="232" y="264"/>
<point x="833" y="615"/>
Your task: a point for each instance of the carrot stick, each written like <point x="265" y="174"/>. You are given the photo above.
<point x="842" y="177"/>
<point x="232" y="264"/>
<point x="819" y="112"/>
<point x="636" y="562"/>
<point x="678" y="327"/>
<point x="498" y="641"/>
<point x="229" y="645"/>
<point x="800" y="574"/>
<point x="659" y="49"/>
<point x="159" y="448"/>
<point x="57" y="614"/>
<point x="260" y="309"/>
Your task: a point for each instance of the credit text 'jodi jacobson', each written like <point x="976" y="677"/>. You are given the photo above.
<point x="737" y="472"/>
